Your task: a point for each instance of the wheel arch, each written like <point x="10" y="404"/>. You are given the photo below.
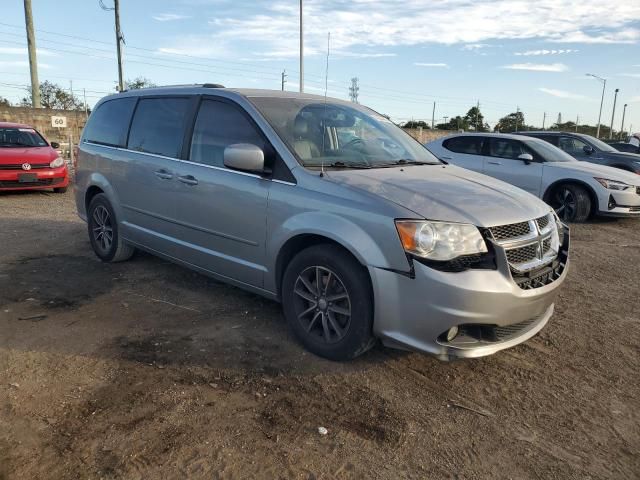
<point x="572" y="181"/>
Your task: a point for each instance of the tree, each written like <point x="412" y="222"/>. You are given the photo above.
<point x="54" y="96"/>
<point x="4" y="102"/>
<point x="138" y="82"/>
<point x="415" y="124"/>
<point x="475" y="120"/>
<point x="512" y="123"/>
<point x="454" y="123"/>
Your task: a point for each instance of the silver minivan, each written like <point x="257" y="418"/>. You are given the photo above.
<point x="329" y="208"/>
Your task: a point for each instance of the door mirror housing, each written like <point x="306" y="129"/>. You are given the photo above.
<point x="245" y="157"/>
<point x="588" y="149"/>
<point x="526" y="158"/>
<point x="55" y="145"/>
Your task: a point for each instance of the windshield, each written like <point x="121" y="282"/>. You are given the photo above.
<point x="20" y="137"/>
<point x="549" y="152"/>
<point x="600" y="145"/>
<point x="340" y="135"/>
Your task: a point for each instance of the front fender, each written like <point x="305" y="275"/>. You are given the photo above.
<point x="385" y="253"/>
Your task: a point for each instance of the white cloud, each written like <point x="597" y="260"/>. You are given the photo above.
<point x="562" y="94"/>
<point x="475" y="46"/>
<point x="635" y="99"/>
<point x="538" y="67"/>
<point x="529" y="53"/>
<point x="22" y="63"/>
<point x="381" y="23"/>
<point x="435" y="65"/>
<point x="632" y="75"/>
<point x="23" y="51"/>
<point x="169" y="17"/>
<point x="364" y="54"/>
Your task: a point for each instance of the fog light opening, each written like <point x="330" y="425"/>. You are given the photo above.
<point x="452" y="333"/>
<point x="612" y="203"/>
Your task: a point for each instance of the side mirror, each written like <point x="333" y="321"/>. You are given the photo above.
<point x="55" y="145"/>
<point x="526" y="158"/>
<point x="244" y="156"/>
<point x="588" y="149"/>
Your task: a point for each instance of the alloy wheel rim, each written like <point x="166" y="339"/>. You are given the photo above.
<point x="322" y="304"/>
<point x="565" y="204"/>
<point x="102" y="228"/>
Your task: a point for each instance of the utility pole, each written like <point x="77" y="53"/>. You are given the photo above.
<point x="433" y="116"/>
<point x="119" y="38"/>
<point x="517" y="115"/>
<point x="613" y="113"/>
<point x="301" y="52"/>
<point x="477" y="114"/>
<point x="604" y="85"/>
<point x="33" y="62"/>
<point x="624" y="111"/>
<point x="354" y="89"/>
<point x="284" y="79"/>
<point x="577" y="122"/>
<point x="86" y="110"/>
<point x="544" y="119"/>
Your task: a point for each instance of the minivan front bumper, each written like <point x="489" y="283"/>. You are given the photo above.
<point x="490" y="310"/>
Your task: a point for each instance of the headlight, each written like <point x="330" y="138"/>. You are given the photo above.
<point x="440" y="240"/>
<point x="612" y="184"/>
<point x="58" y="162"/>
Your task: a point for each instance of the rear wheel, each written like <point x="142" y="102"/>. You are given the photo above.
<point x="103" y="232"/>
<point x="328" y="303"/>
<point x="572" y="203"/>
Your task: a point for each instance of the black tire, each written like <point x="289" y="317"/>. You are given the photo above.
<point x="326" y="330"/>
<point x="571" y="202"/>
<point x="60" y="190"/>
<point x="103" y="231"/>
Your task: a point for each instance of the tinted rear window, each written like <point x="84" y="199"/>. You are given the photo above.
<point x="470" y="145"/>
<point x="158" y="126"/>
<point x="108" y="124"/>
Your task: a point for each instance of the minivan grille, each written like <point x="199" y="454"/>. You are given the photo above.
<point x="528" y="248"/>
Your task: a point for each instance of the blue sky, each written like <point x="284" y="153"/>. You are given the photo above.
<point x="505" y="54"/>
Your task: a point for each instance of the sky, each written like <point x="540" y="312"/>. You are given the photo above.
<point x="531" y="55"/>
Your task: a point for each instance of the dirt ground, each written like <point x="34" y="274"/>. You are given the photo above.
<point x="147" y="370"/>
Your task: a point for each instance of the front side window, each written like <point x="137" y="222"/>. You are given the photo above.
<point x="340" y="135"/>
<point x="158" y="126"/>
<point x="20" y="137"/>
<point x="507" y="148"/>
<point x="471" y="145"/>
<point x="571" y="145"/>
<point x="108" y="124"/>
<point x="218" y="125"/>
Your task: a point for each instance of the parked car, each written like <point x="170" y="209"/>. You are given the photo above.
<point x="576" y="190"/>
<point x="626" y="147"/>
<point x="28" y="161"/>
<point x="267" y="191"/>
<point x="589" y="149"/>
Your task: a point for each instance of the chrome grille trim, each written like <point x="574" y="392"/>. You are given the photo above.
<point x="529" y="248"/>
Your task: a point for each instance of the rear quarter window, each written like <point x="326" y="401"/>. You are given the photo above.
<point x="109" y="123"/>
<point x="468" y="145"/>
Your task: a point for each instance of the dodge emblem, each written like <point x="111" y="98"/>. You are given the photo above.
<point x="26" y="166"/>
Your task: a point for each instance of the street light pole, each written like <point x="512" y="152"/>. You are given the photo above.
<point x="613" y="112"/>
<point x="301" y="52"/>
<point x="624" y="110"/>
<point x="604" y="85"/>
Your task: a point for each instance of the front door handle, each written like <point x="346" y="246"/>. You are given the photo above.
<point x="188" y="179"/>
<point x="494" y="163"/>
<point x="163" y="174"/>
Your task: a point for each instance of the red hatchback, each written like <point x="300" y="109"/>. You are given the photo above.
<point x="28" y="161"/>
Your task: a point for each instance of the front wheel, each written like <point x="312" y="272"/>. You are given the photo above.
<point x="103" y="231"/>
<point x="572" y="203"/>
<point x="328" y="303"/>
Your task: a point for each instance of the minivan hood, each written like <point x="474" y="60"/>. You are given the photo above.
<point x="600" y="171"/>
<point x="447" y="193"/>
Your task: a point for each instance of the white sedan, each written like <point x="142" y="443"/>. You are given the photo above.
<point x="576" y="190"/>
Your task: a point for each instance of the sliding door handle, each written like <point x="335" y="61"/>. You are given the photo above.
<point x="163" y="174"/>
<point x="188" y="179"/>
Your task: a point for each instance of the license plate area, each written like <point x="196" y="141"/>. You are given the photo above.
<point x="27" y="177"/>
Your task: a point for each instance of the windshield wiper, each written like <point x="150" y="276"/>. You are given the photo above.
<point x="404" y="161"/>
<point x="345" y="165"/>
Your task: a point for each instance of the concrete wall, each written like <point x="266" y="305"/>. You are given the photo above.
<point x="40" y="119"/>
<point x="426" y="135"/>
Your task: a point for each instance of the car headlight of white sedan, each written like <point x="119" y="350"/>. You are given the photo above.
<point x="613" y="184"/>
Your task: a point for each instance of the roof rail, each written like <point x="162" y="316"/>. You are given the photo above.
<point x="212" y="85"/>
